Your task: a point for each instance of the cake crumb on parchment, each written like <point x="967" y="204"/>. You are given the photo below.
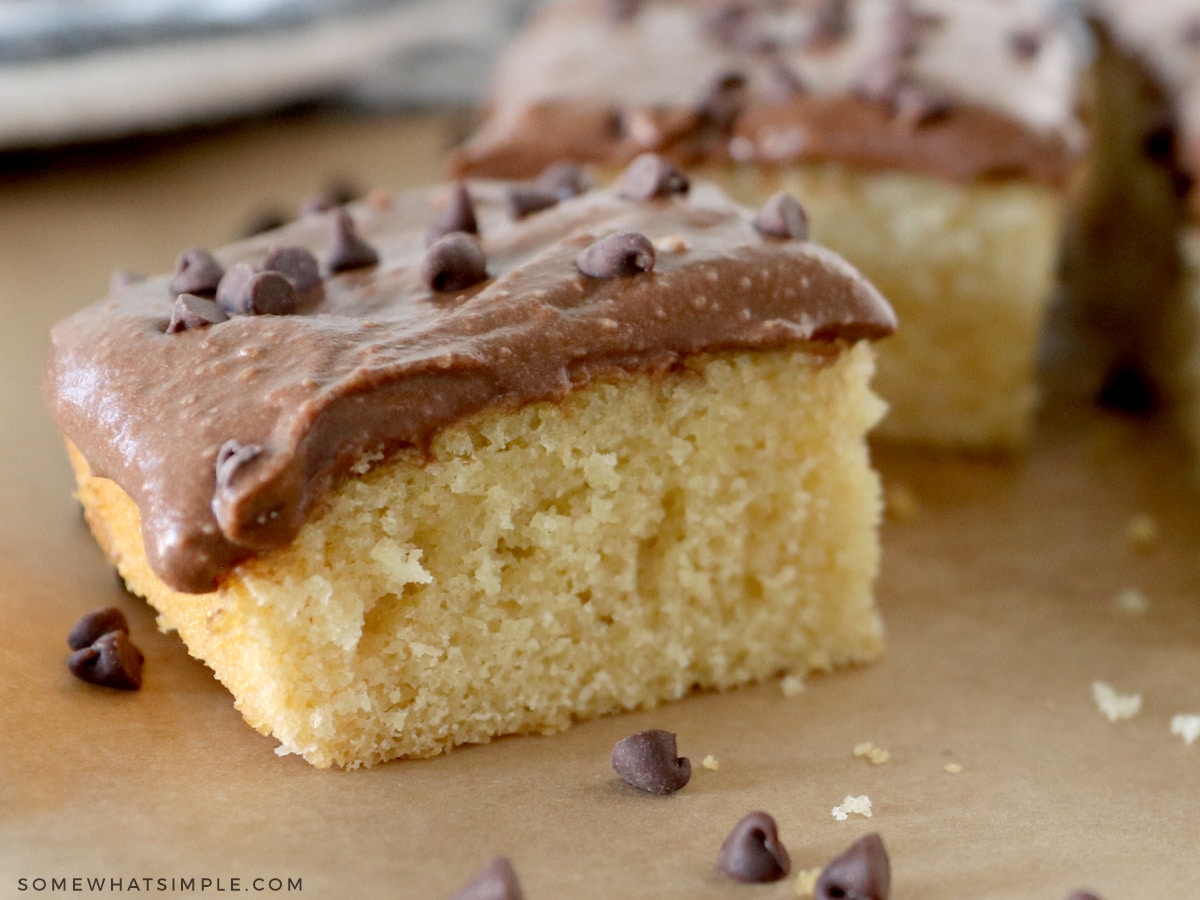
<point x="791" y="685"/>
<point x="710" y="762"/>
<point x="1187" y="726"/>
<point x="860" y="806"/>
<point x="1142" y="531"/>
<point x="870" y="752"/>
<point x="1115" y="706"/>
<point x="806" y="882"/>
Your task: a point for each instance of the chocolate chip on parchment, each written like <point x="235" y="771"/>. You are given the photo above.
<point x="231" y="458"/>
<point x="191" y="311"/>
<point x="454" y="262"/>
<point x="347" y="249"/>
<point x="782" y="216"/>
<point x="862" y="872"/>
<point x="647" y="761"/>
<point x="495" y="881"/>
<point x="649" y="175"/>
<point x="457" y="215"/>
<point x="109" y="661"/>
<point x="247" y="292"/>
<point x="618" y="255"/>
<point x="196" y="272"/>
<point x="96" y="623"/>
<point x="1083" y="895"/>
<point x="522" y="200"/>
<point x="565" y="179"/>
<point x="752" y="852"/>
<point x="296" y="264"/>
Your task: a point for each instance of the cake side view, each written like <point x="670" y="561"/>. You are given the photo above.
<point x="404" y="487"/>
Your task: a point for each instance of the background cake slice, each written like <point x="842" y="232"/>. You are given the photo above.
<point x="463" y="489"/>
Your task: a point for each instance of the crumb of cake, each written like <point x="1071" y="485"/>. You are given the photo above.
<point x="900" y="503"/>
<point x="791" y="685"/>
<point x="859" y="806"/>
<point x="710" y="762"/>
<point x="806" y="882"/>
<point x="671" y="243"/>
<point x="1113" y="705"/>
<point x="953" y="768"/>
<point x="1187" y="726"/>
<point x="1131" y="601"/>
<point x="867" y="750"/>
<point x="1142" y="531"/>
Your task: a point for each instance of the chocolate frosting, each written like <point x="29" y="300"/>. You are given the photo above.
<point x="375" y="361"/>
<point x="582" y="85"/>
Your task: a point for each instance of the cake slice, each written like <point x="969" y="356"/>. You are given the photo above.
<point x="930" y="140"/>
<point x="404" y="487"/>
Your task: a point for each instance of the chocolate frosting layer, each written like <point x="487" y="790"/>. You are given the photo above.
<point x="962" y="89"/>
<point x="224" y="435"/>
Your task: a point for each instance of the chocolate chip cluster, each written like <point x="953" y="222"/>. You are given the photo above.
<point x="103" y="653"/>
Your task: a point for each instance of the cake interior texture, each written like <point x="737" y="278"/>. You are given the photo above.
<point x="969" y="269"/>
<point x="704" y="527"/>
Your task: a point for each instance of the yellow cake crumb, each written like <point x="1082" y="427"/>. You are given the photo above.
<point x="1142" y="532"/>
<point x="806" y="882"/>
<point x="900" y="503"/>
<point x="1132" y="602"/>
<point x="1113" y="705"/>
<point x="791" y="685"/>
<point x="953" y="768"/>
<point x="867" y="750"/>
<point x="859" y="806"/>
<point x="710" y="762"/>
<point x="1187" y="726"/>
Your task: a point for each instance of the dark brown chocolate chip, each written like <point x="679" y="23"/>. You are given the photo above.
<point x="862" y="872"/>
<point x="647" y="761"/>
<point x="232" y="458"/>
<point x="296" y="264"/>
<point x="347" y="249"/>
<point x="735" y="24"/>
<point x="521" y="200"/>
<point x="722" y="100"/>
<point x="830" y="23"/>
<point x="495" y="881"/>
<point x="191" y="311"/>
<point x="94" y="624"/>
<point x="454" y="262"/>
<point x="110" y="661"/>
<point x="1083" y="895"/>
<point x="782" y="216"/>
<point x="196" y="272"/>
<point x="753" y="853"/>
<point x="649" y="175"/>
<point x="618" y="255"/>
<point x="1025" y="43"/>
<point x="1129" y="388"/>
<point x="564" y="179"/>
<point x="246" y="292"/>
<point x="457" y="215"/>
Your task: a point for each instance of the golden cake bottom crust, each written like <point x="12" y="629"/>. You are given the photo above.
<point x="703" y="528"/>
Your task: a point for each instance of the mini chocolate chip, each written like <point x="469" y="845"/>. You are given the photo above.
<point x="618" y="255"/>
<point x="753" y="853"/>
<point x="196" y="272"/>
<point x="233" y="457"/>
<point x="1129" y="388"/>
<point x="564" y="179"/>
<point x="246" y="292"/>
<point x="649" y="175"/>
<point x="914" y="105"/>
<point x="495" y="881"/>
<point x="782" y="216"/>
<point x="296" y="264"/>
<point x="454" y="262"/>
<point x="347" y="250"/>
<point x="735" y="24"/>
<point x="191" y="311"/>
<point x="1025" y="43"/>
<point x="457" y="215"/>
<point x="647" y="761"/>
<point x="1083" y="895"/>
<point x="521" y="200"/>
<point x="722" y="100"/>
<point x="782" y="82"/>
<point x="337" y="193"/>
<point x="94" y="624"/>
<point x="862" y="872"/>
<point x="830" y="22"/>
<point x="110" y="661"/>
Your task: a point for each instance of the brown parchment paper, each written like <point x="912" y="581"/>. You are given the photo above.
<point x="1000" y="595"/>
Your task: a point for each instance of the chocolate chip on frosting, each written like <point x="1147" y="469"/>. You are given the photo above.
<point x="782" y="82"/>
<point x="862" y="872"/>
<point x="782" y="216"/>
<point x="495" y="881"/>
<point x="830" y="23"/>
<point x="245" y="291"/>
<point x="1025" y="43"/>
<point x="191" y="311"/>
<point x="522" y="200"/>
<point x="296" y="264"/>
<point x="233" y="457"/>
<point x="457" y="215"/>
<point x="649" y="175"/>
<point x="722" y="100"/>
<point x="454" y="262"/>
<point x="914" y="105"/>
<point x="647" y="761"/>
<point x="564" y="179"/>
<point x="95" y="624"/>
<point x="617" y="256"/>
<point x="347" y="249"/>
<point x="109" y="661"/>
<point x="196" y="272"/>
<point x="752" y="852"/>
